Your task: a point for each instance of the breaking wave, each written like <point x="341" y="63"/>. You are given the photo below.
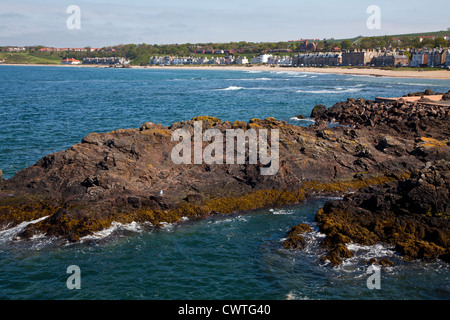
<point x="253" y="79"/>
<point x="335" y="90"/>
<point x="10" y="233"/>
<point x="306" y="119"/>
<point x="115" y="226"/>
<point x="231" y="88"/>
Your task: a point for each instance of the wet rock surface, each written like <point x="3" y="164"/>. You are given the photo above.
<point x="128" y="174"/>
<point x="412" y="215"/>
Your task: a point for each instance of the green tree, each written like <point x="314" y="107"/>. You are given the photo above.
<point x="346" y="44"/>
<point x="440" y="42"/>
<point x="426" y="42"/>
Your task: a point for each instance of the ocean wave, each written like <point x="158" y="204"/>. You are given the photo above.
<point x="229" y="220"/>
<point x="187" y="79"/>
<point x="306" y="119"/>
<point x="167" y="226"/>
<point x="295" y="296"/>
<point x="115" y="226"/>
<point x="335" y="90"/>
<point x="373" y="251"/>
<point x="253" y="71"/>
<point x="294" y="74"/>
<point x="281" y="211"/>
<point x="312" y="242"/>
<point x="231" y="88"/>
<point x="253" y="79"/>
<point x="9" y="233"/>
<point x="421" y="84"/>
<point x="364" y="253"/>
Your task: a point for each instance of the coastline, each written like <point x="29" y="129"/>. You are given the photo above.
<point x="438" y="74"/>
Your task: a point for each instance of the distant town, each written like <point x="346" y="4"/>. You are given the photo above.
<point x="431" y="51"/>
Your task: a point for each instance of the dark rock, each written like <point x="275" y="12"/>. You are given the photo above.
<point x="411" y="214"/>
<point x="318" y="111"/>
<point x="429" y="92"/>
<point x="117" y="176"/>
<point x="294" y="239"/>
<point x="134" y="201"/>
<point x="446" y="96"/>
<point x="194" y="198"/>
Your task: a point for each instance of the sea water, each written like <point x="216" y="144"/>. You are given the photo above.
<point x="48" y="109"/>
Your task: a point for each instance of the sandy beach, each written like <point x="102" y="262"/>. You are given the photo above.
<point x="438" y="74"/>
<point x="435" y="74"/>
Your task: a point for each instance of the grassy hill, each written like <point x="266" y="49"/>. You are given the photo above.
<point x="27" y="57"/>
<point x="405" y="35"/>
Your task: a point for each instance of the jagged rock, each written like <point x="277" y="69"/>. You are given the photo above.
<point x="295" y="239"/>
<point x="446" y="96"/>
<point x="318" y="111"/>
<point x="411" y="214"/>
<point x="118" y="175"/>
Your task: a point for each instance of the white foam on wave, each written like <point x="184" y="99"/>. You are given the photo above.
<point x="306" y="119"/>
<point x="166" y="226"/>
<point x="9" y="233"/>
<point x="295" y="296"/>
<point x="240" y="218"/>
<point x="312" y="241"/>
<point x="281" y="211"/>
<point x="335" y="90"/>
<point x="231" y="88"/>
<point x="115" y="226"/>
<point x="252" y="79"/>
<point x="294" y="74"/>
<point x="368" y="252"/>
<point x="365" y="253"/>
<point x="421" y="84"/>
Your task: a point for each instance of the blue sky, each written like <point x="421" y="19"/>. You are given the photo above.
<point x="103" y="23"/>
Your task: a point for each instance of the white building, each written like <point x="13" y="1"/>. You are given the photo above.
<point x="263" y="58"/>
<point x="71" y="61"/>
<point x="285" y="61"/>
<point x="241" y="60"/>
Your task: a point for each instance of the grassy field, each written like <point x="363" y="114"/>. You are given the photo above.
<point x="27" y="57"/>
<point x="407" y="35"/>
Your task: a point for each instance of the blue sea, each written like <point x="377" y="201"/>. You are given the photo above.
<point x="48" y="109"/>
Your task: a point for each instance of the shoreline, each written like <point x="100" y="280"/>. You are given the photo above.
<point x="438" y="74"/>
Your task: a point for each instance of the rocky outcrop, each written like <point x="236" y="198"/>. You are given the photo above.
<point x="295" y="239"/>
<point x="413" y="215"/>
<point x="128" y="175"/>
<point x="399" y="118"/>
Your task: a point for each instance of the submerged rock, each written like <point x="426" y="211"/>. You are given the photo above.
<point x="295" y="239"/>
